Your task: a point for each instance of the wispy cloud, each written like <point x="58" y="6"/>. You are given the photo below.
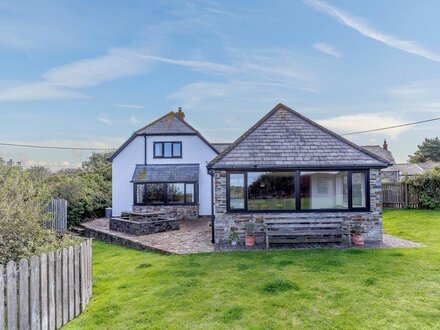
<point x="38" y="91"/>
<point x="128" y="106"/>
<point x="327" y="49"/>
<point x="365" y="121"/>
<point x="203" y="66"/>
<point x="104" y="118"/>
<point x="134" y="120"/>
<point x="418" y="96"/>
<point x="364" y="28"/>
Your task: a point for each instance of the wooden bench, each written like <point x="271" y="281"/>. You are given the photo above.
<point x="291" y="230"/>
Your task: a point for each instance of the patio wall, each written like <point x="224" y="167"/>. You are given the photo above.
<point x="181" y="212"/>
<point x="225" y="222"/>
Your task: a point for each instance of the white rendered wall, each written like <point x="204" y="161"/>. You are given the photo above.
<point x="194" y="151"/>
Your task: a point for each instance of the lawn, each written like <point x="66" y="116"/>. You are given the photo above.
<point x="342" y="289"/>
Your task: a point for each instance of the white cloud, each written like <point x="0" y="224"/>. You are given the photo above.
<point x="327" y="49"/>
<point x="128" y="106"/>
<point x="103" y="118"/>
<point x="134" y="120"/>
<point x="361" y="26"/>
<point x="38" y="91"/>
<point x="363" y="122"/>
<point x="202" y="66"/>
<point x="418" y="96"/>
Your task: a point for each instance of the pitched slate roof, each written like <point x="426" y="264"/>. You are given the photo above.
<point x="381" y="152"/>
<point x="285" y="138"/>
<point x="411" y="168"/>
<point x="220" y="146"/>
<point x="166" y="173"/>
<point x="170" y="124"/>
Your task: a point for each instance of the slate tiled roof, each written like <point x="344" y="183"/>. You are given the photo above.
<point x="171" y="123"/>
<point x="166" y="173"/>
<point x="381" y="152"/>
<point x="428" y="166"/>
<point x="285" y="138"/>
<point x="411" y="168"/>
<point x="220" y="146"/>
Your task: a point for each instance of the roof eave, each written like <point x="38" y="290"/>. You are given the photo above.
<point x="297" y="167"/>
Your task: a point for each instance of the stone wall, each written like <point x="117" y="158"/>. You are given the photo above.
<point x="390" y="176"/>
<point x="181" y="212"/>
<point x="225" y="222"/>
<point x="145" y="227"/>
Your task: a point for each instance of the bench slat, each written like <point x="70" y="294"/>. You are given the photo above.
<point x="305" y="233"/>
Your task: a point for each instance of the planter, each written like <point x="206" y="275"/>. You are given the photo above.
<point x="357" y="239"/>
<point x="249" y="240"/>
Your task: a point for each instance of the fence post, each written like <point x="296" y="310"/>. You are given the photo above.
<point x="44" y="296"/>
<point x="2" y="298"/>
<point x="11" y="298"/>
<point x="23" y="273"/>
<point x="35" y="292"/>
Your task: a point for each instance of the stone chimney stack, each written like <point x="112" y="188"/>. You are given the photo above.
<point x="385" y="144"/>
<point x="180" y="113"/>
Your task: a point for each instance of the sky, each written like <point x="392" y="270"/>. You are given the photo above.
<point x="89" y="73"/>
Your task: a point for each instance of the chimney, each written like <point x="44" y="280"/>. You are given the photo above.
<point x="180" y="113"/>
<point x="385" y="145"/>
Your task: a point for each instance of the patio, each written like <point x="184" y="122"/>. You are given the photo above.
<point x="194" y="236"/>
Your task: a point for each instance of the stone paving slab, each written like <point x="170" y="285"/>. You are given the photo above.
<point x="194" y="236"/>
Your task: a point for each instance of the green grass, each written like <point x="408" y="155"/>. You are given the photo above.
<point x="332" y="289"/>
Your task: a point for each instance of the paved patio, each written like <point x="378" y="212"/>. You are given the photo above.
<point x="195" y="237"/>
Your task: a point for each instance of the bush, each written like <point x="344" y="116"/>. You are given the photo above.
<point x="23" y="199"/>
<point x="427" y="186"/>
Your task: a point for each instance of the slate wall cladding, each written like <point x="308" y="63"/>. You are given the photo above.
<point x="142" y="227"/>
<point x="225" y="222"/>
<point x="181" y="212"/>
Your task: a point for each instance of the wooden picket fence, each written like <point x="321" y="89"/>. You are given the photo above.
<point x="46" y="291"/>
<point x="399" y="195"/>
<point x="58" y="210"/>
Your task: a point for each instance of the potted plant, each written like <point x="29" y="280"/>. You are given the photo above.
<point x="250" y="234"/>
<point x="357" y="237"/>
<point x="233" y="236"/>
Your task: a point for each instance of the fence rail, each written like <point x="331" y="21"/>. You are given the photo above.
<point x="58" y="210"/>
<point x="399" y="195"/>
<point x="46" y="291"/>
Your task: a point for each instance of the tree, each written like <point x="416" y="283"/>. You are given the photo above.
<point x="429" y="151"/>
<point x="22" y="215"/>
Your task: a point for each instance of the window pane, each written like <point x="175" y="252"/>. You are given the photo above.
<point x="158" y="150"/>
<point x="324" y="190"/>
<point x="140" y="194"/>
<point x="167" y="149"/>
<point x="271" y="191"/>
<point x="190" y="193"/>
<point x="358" y="190"/>
<point x="236" y="191"/>
<point x="176" y="192"/>
<point x="177" y="150"/>
<point x="155" y="193"/>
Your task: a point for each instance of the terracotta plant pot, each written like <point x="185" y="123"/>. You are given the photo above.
<point x="249" y="240"/>
<point x="357" y="239"/>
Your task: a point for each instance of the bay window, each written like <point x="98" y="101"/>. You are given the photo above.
<point x="296" y="191"/>
<point x="164" y="193"/>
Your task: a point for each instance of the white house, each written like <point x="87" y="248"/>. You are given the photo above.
<point x="162" y="167"/>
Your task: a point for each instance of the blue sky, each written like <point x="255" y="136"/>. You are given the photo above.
<point x="89" y="73"/>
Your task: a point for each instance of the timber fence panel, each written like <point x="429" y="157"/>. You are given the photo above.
<point x="35" y="292"/>
<point x="23" y="272"/>
<point x="2" y="298"/>
<point x="51" y="289"/>
<point x="58" y="210"/>
<point x="46" y="291"/>
<point x="65" y="286"/>
<point x="11" y="298"/>
<point x="399" y="195"/>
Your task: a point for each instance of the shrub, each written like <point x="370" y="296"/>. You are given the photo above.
<point x="22" y="204"/>
<point x="427" y="186"/>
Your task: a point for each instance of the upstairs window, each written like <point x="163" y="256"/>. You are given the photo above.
<point x="167" y="149"/>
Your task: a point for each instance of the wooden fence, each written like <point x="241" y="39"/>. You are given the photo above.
<point x="58" y="210"/>
<point x="46" y="291"/>
<point x="399" y="195"/>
